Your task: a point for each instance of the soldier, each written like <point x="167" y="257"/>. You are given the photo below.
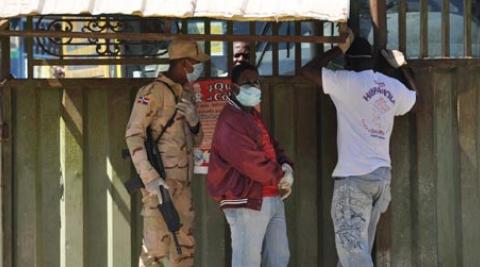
<point x="155" y="104"/>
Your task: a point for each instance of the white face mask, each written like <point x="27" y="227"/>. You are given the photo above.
<point x="249" y="96"/>
<point x="196" y="73"/>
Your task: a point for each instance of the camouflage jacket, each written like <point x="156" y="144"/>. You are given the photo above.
<point x="154" y="105"/>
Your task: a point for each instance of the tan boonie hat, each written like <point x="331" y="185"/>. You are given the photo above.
<point x="183" y="49"/>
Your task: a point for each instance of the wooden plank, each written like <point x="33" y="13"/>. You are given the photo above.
<point x="379" y="19"/>
<point x="79" y="83"/>
<point x="423" y="28"/>
<point x="394" y="239"/>
<point x="274" y="46"/>
<point x="230" y="48"/>
<point x="173" y="36"/>
<point x="468" y="101"/>
<point x="383" y="240"/>
<point x="96" y="176"/>
<point x="445" y="160"/>
<point x="444" y="63"/>
<point x="210" y="227"/>
<point x="424" y="187"/>
<point x="208" y="46"/>
<point x="6" y="164"/>
<point x="25" y="190"/>
<point x="99" y="61"/>
<point x="402" y="26"/>
<point x="446" y="28"/>
<point x="284" y="130"/>
<point x="72" y="164"/>
<point x="403" y="151"/>
<point x="468" y="27"/>
<point x="306" y="175"/>
<point x="136" y="233"/>
<point x="49" y="176"/>
<point x="327" y="125"/>
<point x="119" y="211"/>
<point x="354" y="20"/>
<point x="253" y="31"/>
<point x="318" y="29"/>
<point x="298" y="49"/>
<point x="29" y="48"/>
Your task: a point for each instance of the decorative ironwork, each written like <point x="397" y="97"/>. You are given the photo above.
<point x="94" y="47"/>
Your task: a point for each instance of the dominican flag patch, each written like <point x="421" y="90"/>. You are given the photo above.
<point x="143" y="100"/>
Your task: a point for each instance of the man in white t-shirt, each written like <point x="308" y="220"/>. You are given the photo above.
<point x="366" y="102"/>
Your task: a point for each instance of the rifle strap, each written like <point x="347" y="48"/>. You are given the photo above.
<point x="171" y="120"/>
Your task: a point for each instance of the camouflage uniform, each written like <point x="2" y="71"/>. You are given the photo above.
<point x="154" y="105"/>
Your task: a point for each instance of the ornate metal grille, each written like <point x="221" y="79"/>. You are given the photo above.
<point x="94" y="47"/>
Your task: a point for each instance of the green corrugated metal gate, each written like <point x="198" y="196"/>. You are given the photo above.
<point x="65" y="204"/>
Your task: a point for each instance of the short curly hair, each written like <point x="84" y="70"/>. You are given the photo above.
<point x="239" y="69"/>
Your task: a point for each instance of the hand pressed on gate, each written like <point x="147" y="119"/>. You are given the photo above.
<point x="313" y="69"/>
<point x="348" y="41"/>
<point x="394" y="57"/>
<point x="397" y="60"/>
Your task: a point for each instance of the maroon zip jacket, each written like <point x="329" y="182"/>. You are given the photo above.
<point x="238" y="167"/>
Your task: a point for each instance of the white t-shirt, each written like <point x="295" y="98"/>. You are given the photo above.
<point x="366" y="104"/>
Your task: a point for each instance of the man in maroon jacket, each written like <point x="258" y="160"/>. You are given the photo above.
<point x="250" y="176"/>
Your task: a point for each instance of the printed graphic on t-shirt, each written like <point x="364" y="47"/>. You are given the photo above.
<point x="382" y="101"/>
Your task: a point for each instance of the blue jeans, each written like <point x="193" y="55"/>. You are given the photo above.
<point x="358" y="202"/>
<point x="259" y="238"/>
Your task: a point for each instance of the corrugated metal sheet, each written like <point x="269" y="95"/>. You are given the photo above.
<point x="239" y="10"/>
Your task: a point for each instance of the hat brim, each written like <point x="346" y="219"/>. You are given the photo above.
<point x="202" y="57"/>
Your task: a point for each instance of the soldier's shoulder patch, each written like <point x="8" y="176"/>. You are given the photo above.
<point x="143" y="100"/>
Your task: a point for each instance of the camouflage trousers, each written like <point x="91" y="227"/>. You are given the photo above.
<point x="158" y="245"/>
<point x="358" y="202"/>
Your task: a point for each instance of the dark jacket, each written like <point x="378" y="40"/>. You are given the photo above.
<point x="239" y="168"/>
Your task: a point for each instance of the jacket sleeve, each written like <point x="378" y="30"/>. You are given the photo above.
<point x="145" y="106"/>
<point x="243" y="154"/>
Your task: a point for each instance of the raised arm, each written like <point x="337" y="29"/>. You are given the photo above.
<point x="396" y="59"/>
<point x="313" y="69"/>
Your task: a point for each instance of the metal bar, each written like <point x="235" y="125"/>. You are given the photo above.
<point x="379" y="19"/>
<point x="446" y="28"/>
<point x="423" y="28"/>
<point x="275" y="61"/>
<point x="79" y="83"/>
<point x="298" y="49"/>
<point x="444" y="62"/>
<point x="208" y="48"/>
<point x="253" y="44"/>
<point x="184" y="27"/>
<point x="354" y="21"/>
<point x="468" y="28"/>
<point x="229" y="48"/>
<point x="318" y="28"/>
<point x="265" y="46"/>
<point x="113" y="61"/>
<point x="29" y="46"/>
<point x="402" y="26"/>
<point x="172" y="36"/>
